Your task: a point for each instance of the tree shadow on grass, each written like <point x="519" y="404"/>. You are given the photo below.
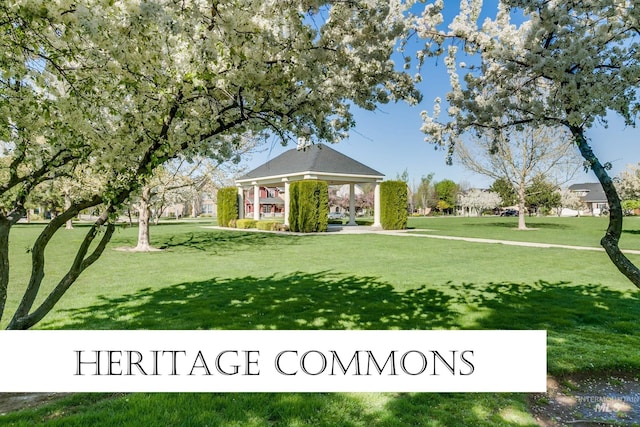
<point x="580" y="319"/>
<point x="296" y="301"/>
<point x="514" y="223"/>
<point x="215" y="242"/>
<point x="589" y="327"/>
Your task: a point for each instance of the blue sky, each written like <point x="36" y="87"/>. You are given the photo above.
<point x="389" y="140"/>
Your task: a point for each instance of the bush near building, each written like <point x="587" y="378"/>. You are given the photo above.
<point x="227" y="205"/>
<point x="309" y="206"/>
<point x="393" y="205"/>
<point x="267" y="225"/>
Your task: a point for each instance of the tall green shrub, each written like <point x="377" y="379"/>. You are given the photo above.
<point x="294" y="190"/>
<point x="309" y="206"/>
<point x="393" y="205"/>
<point x="227" y="205"/>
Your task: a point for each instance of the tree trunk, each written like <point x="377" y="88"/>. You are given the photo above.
<point x="194" y="203"/>
<point x="5" y="227"/>
<point x="612" y="236"/>
<point x="144" y="214"/>
<point x="67" y="205"/>
<point x="23" y="318"/>
<point x="6" y="222"/>
<point x="521" y="206"/>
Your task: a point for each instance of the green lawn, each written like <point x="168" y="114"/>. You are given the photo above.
<point x="210" y="279"/>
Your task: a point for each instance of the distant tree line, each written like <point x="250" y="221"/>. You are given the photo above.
<point x="430" y="197"/>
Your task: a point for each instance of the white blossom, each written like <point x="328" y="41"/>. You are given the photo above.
<point x="475" y="201"/>
<point x="116" y="88"/>
<point x="628" y="183"/>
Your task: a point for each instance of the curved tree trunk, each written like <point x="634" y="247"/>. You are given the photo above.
<point x="5" y="227"/>
<point x="612" y="236"/>
<point x="6" y="222"/>
<point x="23" y="317"/>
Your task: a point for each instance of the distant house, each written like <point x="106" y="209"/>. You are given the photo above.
<point x="271" y="202"/>
<point x="208" y="204"/>
<point x="193" y="206"/>
<point x="593" y="198"/>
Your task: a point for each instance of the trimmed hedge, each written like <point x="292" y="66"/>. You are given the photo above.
<point x="309" y="206"/>
<point x="227" y="205"/>
<point x="246" y="223"/>
<point x="266" y="225"/>
<point x="393" y="205"/>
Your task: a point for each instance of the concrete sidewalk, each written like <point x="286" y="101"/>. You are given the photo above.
<point x="505" y="242"/>
<point x="361" y="229"/>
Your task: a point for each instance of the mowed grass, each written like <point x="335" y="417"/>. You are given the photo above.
<point x="211" y="279"/>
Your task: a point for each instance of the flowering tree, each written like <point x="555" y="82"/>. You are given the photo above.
<point x="628" y="183"/>
<point x="628" y="186"/>
<point x="117" y="88"/>
<point x="477" y="201"/>
<point x="566" y="64"/>
<point x="181" y="181"/>
<point x="364" y="201"/>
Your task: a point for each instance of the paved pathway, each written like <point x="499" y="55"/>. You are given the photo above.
<point x="407" y="233"/>
<point x="337" y="230"/>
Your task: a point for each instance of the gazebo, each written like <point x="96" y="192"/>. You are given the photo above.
<point x="318" y="162"/>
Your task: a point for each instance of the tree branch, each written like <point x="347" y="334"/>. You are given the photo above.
<point x="80" y="263"/>
<point x="37" y="254"/>
<point x="612" y="236"/>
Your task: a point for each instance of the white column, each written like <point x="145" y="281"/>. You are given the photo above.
<point x="352" y="204"/>
<point x="376" y="206"/>
<point x="287" y="201"/>
<point x="256" y="202"/>
<point x="240" y="203"/>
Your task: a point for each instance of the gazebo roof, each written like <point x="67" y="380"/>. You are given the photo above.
<point x="317" y="161"/>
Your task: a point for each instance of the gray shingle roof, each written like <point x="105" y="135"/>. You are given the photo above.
<point x="594" y="191"/>
<point x="315" y="158"/>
